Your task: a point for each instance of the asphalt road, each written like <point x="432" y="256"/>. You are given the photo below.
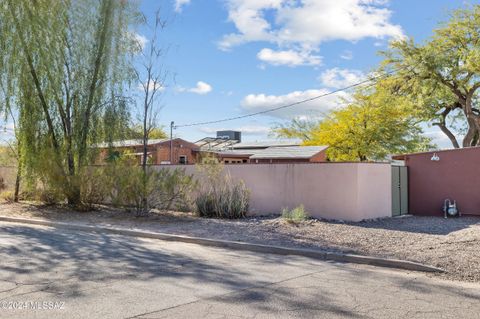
<point x="54" y="273"/>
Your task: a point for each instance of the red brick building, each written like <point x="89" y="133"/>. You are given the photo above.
<point x="183" y="152"/>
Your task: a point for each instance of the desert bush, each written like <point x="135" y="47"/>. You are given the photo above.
<point x="164" y="189"/>
<point x="50" y="195"/>
<point x="94" y="187"/>
<point x="171" y="188"/>
<point x="220" y="196"/>
<point x="7" y="196"/>
<point x="296" y="215"/>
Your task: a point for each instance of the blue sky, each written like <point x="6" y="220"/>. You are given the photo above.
<point x="233" y="57"/>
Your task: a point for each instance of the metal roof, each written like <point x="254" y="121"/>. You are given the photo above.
<point x="288" y="152"/>
<point x="215" y="143"/>
<point x="129" y="143"/>
<point x="266" y="144"/>
<point x="243" y="152"/>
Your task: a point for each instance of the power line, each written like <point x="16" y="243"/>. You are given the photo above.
<point x="291" y="104"/>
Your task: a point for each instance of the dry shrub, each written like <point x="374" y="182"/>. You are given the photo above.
<point x="220" y="196"/>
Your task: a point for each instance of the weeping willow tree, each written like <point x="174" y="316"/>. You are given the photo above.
<point x="66" y="65"/>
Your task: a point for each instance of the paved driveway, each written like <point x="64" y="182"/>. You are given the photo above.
<point x="107" y="276"/>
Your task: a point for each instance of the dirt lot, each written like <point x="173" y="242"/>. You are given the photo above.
<point x="452" y="244"/>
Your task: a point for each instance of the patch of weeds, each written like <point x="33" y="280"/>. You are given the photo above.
<point x="296" y="215"/>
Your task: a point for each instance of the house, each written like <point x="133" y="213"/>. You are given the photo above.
<point x="158" y="150"/>
<point x="436" y="176"/>
<point x="290" y="154"/>
<point x="275" y="154"/>
<point x="229" y="148"/>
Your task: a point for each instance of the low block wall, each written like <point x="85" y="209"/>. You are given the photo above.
<point x="346" y="191"/>
<point x="342" y="191"/>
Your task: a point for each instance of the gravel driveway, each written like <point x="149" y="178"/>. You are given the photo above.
<point x="452" y="244"/>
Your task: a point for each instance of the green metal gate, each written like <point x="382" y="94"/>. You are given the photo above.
<point x="399" y="190"/>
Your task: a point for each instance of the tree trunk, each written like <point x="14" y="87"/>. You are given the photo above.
<point x="473" y="120"/>
<point x="73" y="192"/>
<point x="449" y="134"/>
<point x="16" y="194"/>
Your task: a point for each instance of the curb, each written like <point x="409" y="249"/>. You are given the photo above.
<point x="315" y="254"/>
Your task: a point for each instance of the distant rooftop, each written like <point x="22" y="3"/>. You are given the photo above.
<point x="302" y="152"/>
<point x="244" y="152"/>
<point x="129" y="143"/>
<point x="215" y="143"/>
<point x="266" y="144"/>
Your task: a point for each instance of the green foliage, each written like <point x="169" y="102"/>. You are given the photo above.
<point x="220" y="196"/>
<point x="65" y="65"/>
<point x="373" y="126"/>
<point x="301" y="129"/>
<point x="442" y="76"/>
<point x="136" y="132"/>
<point x="296" y="215"/>
<point x="7" y="195"/>
<point x="7" y="156"/>
<point x="94" y="187"/>
<point x="172" y="188"/>
<point x="436" y="82"/>
<point x="164" y="189"/>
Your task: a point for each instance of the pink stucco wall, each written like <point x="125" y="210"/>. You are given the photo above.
<point x="346" y="191"/>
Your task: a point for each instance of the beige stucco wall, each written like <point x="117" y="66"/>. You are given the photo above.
<point x="346" y="191"/>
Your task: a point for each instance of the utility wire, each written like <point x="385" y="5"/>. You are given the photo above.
<point x="291" y="104"/>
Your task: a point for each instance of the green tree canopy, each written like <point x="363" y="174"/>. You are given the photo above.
<point x="136" y="132"/>
<point x="66" y="65"/>
<point x="442" y="76"/>
<point x="374" y="125"/>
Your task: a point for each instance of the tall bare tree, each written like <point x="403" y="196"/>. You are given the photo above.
<point x="151" y="75"/>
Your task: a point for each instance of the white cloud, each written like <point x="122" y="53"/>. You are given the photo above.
<point x="319" y="107"/>
<point x="340" y="78"/>
<point x="141" y="40"/>
<point x="302" y="26"/>
<point x="246" y="129"/>
<point x="439" y="138"/>
<point x="248" y="17"/>
<point x="288" y="57"/>
<point x="179" y="4"/>
<point x="201" y="88"/>
<point x="151" y="86"/>
<point x="347" y="55"/>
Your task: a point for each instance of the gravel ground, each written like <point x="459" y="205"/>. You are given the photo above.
<point x="452" y="244"/>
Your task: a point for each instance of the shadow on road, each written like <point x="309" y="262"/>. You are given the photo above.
<point x="54" y="257"/>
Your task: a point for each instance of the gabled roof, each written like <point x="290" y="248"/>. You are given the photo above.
<point x="303" y="152"/>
